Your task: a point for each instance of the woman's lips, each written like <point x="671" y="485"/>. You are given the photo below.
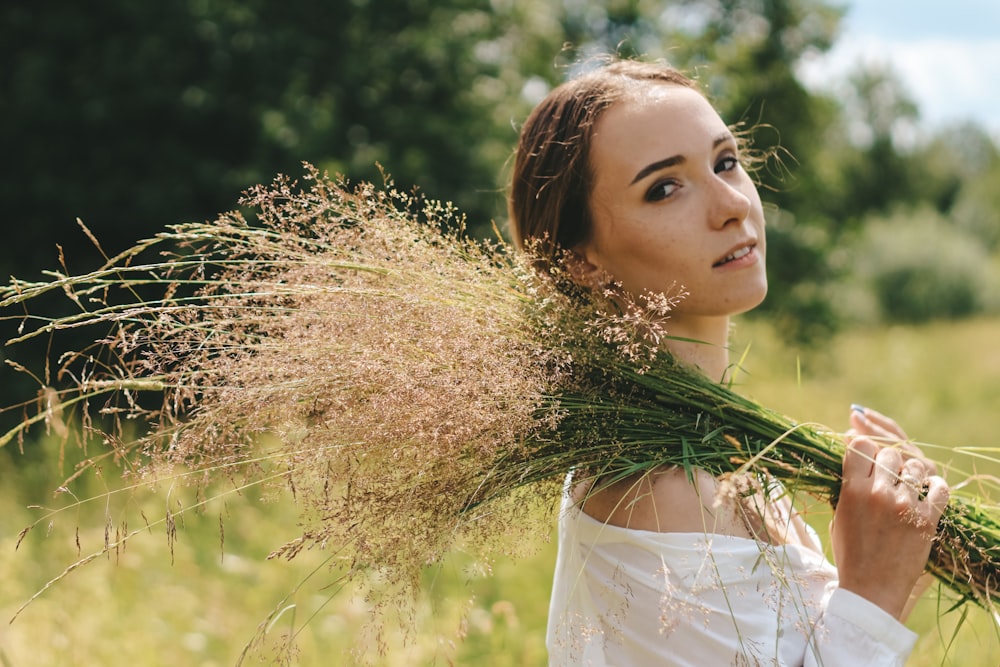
<point x="744" y="253"/>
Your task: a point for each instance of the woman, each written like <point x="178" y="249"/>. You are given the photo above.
<point x="631" y="171"/>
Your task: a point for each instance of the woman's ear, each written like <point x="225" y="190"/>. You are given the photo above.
<point x="583" y="270"/>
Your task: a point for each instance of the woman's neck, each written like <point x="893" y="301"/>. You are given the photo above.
<point x="705" y="345"/>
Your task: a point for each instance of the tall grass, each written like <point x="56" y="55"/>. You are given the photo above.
<point x="139" y="609"/>
<point x="201" y="597"/>
<point x="416" y="394"/>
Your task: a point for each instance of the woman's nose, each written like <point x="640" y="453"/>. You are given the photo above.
<point x="729" y="203"/>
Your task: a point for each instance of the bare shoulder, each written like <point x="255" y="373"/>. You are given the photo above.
<point x="664" y="501"/>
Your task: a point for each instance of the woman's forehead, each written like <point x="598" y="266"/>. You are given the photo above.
<point x="657" y="118"/>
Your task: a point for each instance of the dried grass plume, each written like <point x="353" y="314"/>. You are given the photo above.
<point x="415" y="390"/>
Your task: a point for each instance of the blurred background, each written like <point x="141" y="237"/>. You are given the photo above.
<point x="132" y="116"/>
<point x="884" y="226"/>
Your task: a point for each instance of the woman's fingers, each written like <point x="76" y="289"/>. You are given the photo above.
<point x="937" y="496"/>
<point x="929" y="499"/>
<point x="888" y="463"/>
<point x="886" y="432"/>
<point x="885" y="424"/>
<point x="874" y="423"/>
<point x="912" y="476"/>
<point x="859" y="460"/>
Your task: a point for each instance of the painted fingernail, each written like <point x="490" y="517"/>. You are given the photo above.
<point x="860" y="409"/>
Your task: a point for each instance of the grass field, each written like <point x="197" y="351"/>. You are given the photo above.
<point x="199" y="599"/>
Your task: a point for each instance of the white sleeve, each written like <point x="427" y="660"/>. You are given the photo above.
<point x="853" y="632"/>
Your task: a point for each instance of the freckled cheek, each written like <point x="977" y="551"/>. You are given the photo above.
<point x="665" y="265"/>
<point x="655" y="252"/>
<point x="640" y="247"/>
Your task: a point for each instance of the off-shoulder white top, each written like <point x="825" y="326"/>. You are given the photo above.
<point x="635" y="598"/>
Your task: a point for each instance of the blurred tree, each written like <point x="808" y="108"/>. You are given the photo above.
<point x="960" y="169"/>
<point x="881" y="121"/>
<point x="977" y="207"/>
<point x="132" y="115"/>
<point x="920" y="268"/>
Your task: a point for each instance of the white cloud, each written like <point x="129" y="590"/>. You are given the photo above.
<point x="947" y="55"/>
<point x="950" y="79"/>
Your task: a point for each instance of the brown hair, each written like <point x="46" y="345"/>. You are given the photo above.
<point x="551" y="179"/>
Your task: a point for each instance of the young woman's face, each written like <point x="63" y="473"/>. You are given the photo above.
<point x="672" y="206"/>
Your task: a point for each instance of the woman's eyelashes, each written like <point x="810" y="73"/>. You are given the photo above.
<point x="728" y="163"/>
<point x="661" y="190"/>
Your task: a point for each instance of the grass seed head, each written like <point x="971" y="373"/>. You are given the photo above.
<point x="414" y="390"/>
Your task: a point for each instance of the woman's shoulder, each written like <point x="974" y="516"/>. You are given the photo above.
<point x="665" y="500"/>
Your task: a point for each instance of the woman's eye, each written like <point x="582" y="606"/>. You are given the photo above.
<point x="726" y="164"/>
<point x="661" y="190"/>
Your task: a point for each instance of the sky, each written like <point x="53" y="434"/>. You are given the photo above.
<point x="946" y="52"/>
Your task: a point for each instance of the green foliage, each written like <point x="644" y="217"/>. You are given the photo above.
<point x="134" y="116"/>
<point x="921" y="267"/>
<point x="977" y="201"/>
<point x="799" y="304"/>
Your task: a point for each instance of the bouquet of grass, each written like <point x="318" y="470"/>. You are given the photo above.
<point x="414" y="390"/>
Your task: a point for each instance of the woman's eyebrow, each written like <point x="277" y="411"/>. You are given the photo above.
<point x="723" y="138"/>
<point x="655" y="166"/>
<point x="674" y="160"/>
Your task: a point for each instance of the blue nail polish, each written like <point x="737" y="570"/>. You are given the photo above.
<point x="860" y="409"/>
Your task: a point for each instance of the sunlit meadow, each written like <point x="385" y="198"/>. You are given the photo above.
<point x="338" y="434"/>
<point x="200" y="599"/>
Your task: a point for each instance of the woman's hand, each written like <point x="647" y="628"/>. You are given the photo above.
<point x="890" y="502"/>
<point x="886" y="432"/>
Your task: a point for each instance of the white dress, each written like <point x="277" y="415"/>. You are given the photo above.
<point x="625" y="597"/>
